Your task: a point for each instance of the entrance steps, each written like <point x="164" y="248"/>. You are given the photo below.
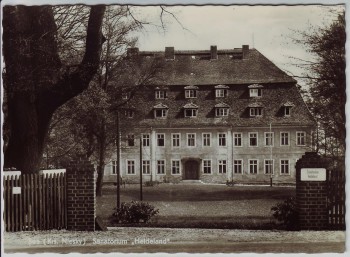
<point x="191" y="181"/>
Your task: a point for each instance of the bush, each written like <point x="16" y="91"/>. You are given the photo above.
<point x="135" y="212"/>
<point x="230" y="183"/>
<point x="287" y="213"/>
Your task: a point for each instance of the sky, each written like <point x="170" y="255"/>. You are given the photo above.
<point x="269" y="29"/>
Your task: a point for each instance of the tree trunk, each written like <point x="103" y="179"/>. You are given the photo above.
<point x="101" y="160"/>
<point x="34" y="84"/>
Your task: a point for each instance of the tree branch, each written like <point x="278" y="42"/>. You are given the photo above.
<point x="72" y="84"/>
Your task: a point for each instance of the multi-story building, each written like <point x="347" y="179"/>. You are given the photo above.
<point x="217" y="115"/>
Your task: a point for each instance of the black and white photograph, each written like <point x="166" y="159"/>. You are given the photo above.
<point x="173" y="127"/>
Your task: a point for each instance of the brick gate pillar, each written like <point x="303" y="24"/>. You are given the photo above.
<point x="311" y="192"/>
<point x="81" y="197"/>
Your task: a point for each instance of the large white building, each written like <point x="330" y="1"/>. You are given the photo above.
<point x="216" y="115"/>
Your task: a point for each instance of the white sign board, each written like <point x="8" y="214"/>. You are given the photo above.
<point x="313" y="174"/>
<point x="16" y="190"/>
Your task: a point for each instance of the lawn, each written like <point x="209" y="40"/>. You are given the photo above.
<point x="200" y="205"/>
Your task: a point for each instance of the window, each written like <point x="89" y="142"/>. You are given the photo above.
<point x="301" y="138"/>
<point x="160" y="94"/>
<point x="191" y="93"/>
<point x="287" y="110"/>
<point x="237" y="139"/>
<point x="253" y="139"/>
<point x="268" y="138"/>
<point x="160" y="140"/>
<point x="175" y="167"/>
<point x="190" y="112"/>
<point x="221" y="112"/>
<point x="160" y="113"/>
<point x="285" y="167"/>
<point x="207" y="166"/>
<point x="284" y="138"/>
<point x="255" y="92"/>
<point x="161" y="167"/>
<point x="130" y="164"/>
<point x="255" y="111"/>
<point x="222" y="166"/>
<point x="145" y="139"/>
<point x="130" y="140"/>
<point x="191" y="140"/>
<point x="129" y="113"/>
<point x="238" y="166"/>
<point x="206" y="139"/>
<point x="220" y="93"/>
<point x="175" y="140"/>
<point x="268" y="166"/>
<point x="114" y="167"/>
<point x="253" y="166"/>
<point x="222" y="139"/>
<point x="146" y="167"/>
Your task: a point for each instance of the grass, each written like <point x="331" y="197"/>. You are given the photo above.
<point x="200" y="206"/>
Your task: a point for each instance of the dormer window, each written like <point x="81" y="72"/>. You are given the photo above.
<point x="160" y="111"/>
<point x="191" y="92"/>
<point x="220" y="91"/>
<point x="255" y="90"/>
<point x="221" y="110"/>
<point x="255" y="111"/>
<point x="190" y="110"/>
<point x="160" y="93"/>
<point x="287" y="108"/>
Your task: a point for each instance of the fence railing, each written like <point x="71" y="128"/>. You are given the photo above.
<point x="35" y="202"/>
<point x="336" y="199"/>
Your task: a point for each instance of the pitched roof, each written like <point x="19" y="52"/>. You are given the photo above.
<point x="222" y="105"/>
<point x="238" y="75"/>
<point x="160" y="106"/>
<point x="221" y="87"/>
<point x="255" y="105"/>
<point x="254" y="68"/>
<point x="288" y="104"/>
<point x="272" y="100"/>
<point x="190" y="106"/>
<point x="191" y="87"/>
<point x="255" y="86"/>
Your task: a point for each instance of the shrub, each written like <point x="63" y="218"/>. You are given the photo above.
<point x="230" y="183"/>
<point x="287" y="213"/>
<point x="135" y="212"/>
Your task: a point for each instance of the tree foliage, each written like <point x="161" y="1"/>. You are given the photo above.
<point x="326" y="77"/>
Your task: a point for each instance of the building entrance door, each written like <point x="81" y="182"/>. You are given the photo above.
<point x="191" y="169"/>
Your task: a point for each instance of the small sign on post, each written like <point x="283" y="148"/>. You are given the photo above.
<point x="16" y="190"/>
<point x="313" y="174"/>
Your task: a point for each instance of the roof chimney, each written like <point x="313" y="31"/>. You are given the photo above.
<point x="169" y="53"/>
<point x="213" y="52"/>
<point x="132" y="51"/>
<point x="245" y="51"/>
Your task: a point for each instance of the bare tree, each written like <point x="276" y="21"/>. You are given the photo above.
<point x="36" y="82"/>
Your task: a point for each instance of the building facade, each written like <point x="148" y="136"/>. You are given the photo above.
<point x="214" y="116"/>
